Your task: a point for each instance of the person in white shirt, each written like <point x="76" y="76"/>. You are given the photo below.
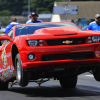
<point x="13" y="23"/>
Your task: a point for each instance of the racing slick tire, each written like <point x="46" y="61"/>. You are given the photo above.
<point x="22" y="76"/>
<point x="68" y="82"/>
<point x="97" y="74"/>
<point x="3" y="85"/>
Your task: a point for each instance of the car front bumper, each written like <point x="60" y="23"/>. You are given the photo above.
<point x="52" y="50"/>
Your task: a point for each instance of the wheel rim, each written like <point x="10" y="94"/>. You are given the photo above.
<point x="18" y="71"/>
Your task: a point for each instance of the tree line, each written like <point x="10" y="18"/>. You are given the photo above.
<point x="16" y="7"/>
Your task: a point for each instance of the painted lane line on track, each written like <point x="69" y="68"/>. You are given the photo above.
<point x="89" y="75"/>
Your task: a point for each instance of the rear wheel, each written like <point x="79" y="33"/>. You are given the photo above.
<point x="3" y="85"/>
<point x="21" y="75"/>
<point x="68" y="82"/>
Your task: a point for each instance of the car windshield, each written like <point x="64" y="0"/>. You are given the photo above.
<point x="29" y="29"/>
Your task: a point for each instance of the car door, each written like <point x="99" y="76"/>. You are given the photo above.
<point x="8" y="71"/>
<point x="3" y="62"/>
<point x="0" y="62"/>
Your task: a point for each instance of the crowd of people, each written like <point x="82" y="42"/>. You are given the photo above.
<point x="94" y="26"/>
<point x="33" y="19"/>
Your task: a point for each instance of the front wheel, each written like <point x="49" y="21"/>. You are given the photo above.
<point x="21" y="75"/>
<point x="68" y="82"/>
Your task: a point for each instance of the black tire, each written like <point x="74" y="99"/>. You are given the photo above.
<point x="3" y="85"/>
<point x="68" y="82"/>
<point x="97" y="74"/>
<point x="22" y="76"/>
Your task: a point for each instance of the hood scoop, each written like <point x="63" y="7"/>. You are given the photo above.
<point x="66" y="31"/>
<point x="60" y="31"/>
<point x="66" y="34"/>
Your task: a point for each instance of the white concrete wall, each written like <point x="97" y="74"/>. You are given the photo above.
<point x="55" y="18"/>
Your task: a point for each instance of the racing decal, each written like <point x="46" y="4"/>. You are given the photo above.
<point x="2" y="79"/>
<point x="0" y="72"/>
<point x="8" y="55"/>
<point x="12" y="68"/>
<point x="4" y="57"/>
<point x="7" y="73"/>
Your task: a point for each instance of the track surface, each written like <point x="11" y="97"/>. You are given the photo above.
<point x="87" y="89"/>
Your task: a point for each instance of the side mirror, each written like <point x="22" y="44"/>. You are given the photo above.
<point x="5" y="37"/>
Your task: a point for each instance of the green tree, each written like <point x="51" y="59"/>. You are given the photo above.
<point x="5" y="13"/>
<point x="42" y="5"/>
<point x="16" y="7"/>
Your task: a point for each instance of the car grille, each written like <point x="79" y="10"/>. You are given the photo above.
<point x="82" y="55"/>
<point x="60" y="41"/>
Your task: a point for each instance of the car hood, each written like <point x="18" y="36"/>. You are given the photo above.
<point x="58" y="31"/>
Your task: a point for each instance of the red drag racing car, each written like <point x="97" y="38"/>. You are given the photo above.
<point x="41" y="51"/>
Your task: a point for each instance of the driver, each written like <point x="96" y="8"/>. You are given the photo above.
<point x="34" y="19"/>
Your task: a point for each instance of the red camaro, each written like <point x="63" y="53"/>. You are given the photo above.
<point x="41" y="51"/>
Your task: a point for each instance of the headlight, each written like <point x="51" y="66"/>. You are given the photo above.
<point x="95" y="38"/>
<point x="33" y="42"/>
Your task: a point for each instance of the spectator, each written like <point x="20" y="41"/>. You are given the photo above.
<point x="34" y="19"/>
<point x="13" y="23"/>
<point x="95" y="25"/>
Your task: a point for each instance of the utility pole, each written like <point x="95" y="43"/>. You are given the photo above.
<point x="66" y="9"/>
<point x="28" y="8"/>
<point x="66" y="5"/>
<point x="37" y="10"/>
